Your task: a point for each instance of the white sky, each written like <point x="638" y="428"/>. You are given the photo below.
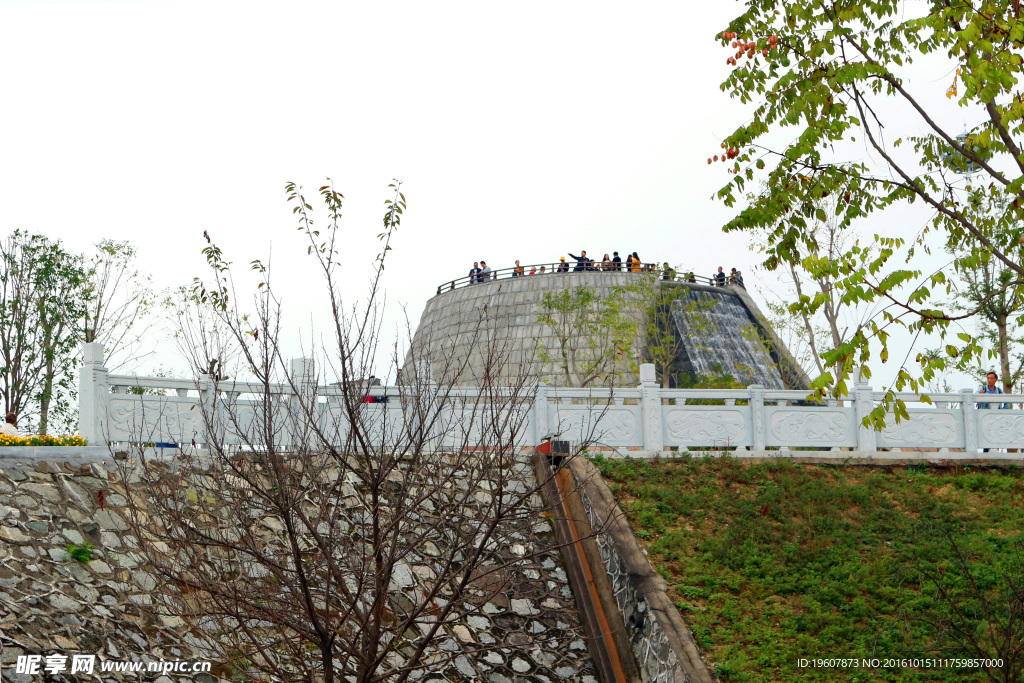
<point x="520" y="131"/>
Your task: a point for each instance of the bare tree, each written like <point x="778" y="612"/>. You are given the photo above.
<point x="120" y="301"/>
<point x="203" y="337"/>
<point x="792" y="329"/>
<point x="342" y="539"/>
<point x="822" y="316"/>
<point x="990" y="290"/>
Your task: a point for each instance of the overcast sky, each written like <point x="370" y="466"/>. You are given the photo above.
<point x="520" y="131"/>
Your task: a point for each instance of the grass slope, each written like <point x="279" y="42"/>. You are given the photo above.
<point x="775" y="562"/>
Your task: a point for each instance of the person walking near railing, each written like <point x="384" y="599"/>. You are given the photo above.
<point x="606" y="263"/>
<point x="563" y="267"/>
<point x="485" y="274"/>
<point x="720" y="277"/>
<point x="616" y="261"/>
<point x="518" y="270"/>
<point x="991" y="387"/>
<point x="474" y="273"/>
<point x="636" y="265"/>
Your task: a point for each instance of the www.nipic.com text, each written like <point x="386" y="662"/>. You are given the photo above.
<point x="87" y="664"/>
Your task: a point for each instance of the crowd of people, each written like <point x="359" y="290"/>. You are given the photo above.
<point x="481" y="272"/>
<point x="734" y="278"/>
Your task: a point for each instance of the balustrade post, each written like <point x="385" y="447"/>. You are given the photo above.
<point x="757" y="423"/>
<point x="969" y="408"/>
<point x="539" y="416"/>
<point x="650" y="403"/>
<point x="864" y="403"/>
<point x="304" y="411"/>
<point x="92" y="395"/>
<point x="209" y="431"/>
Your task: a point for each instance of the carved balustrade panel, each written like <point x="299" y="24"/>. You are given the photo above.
<point x="602" y="426"/>
<point x="924" y="429"/>
<point x="1000" y="428"/>
<point x="245" y="422"/>
<point x="160" y="419"/>
<point x="706" y="426"/>
<point x="810" y="426"/>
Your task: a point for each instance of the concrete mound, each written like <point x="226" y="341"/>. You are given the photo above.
<point x="493" y="332"/>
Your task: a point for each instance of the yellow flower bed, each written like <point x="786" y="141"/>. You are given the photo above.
<point x="36" y="440"/>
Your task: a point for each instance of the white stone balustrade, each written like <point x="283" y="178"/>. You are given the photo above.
<point x="641" y="422"/>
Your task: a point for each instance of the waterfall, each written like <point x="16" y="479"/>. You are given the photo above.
<point x="720" y="335"/>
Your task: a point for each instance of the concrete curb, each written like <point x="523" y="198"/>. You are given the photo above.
<point x="58" y="453"/>
<point x="607" y="641"/>
<point x="877" y="458"/>
<point x="650" y="616"/>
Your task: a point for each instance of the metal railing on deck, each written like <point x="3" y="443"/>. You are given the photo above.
<point x="569" y="267"/>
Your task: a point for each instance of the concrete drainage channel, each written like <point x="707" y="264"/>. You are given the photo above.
<point x="635" y="632"/>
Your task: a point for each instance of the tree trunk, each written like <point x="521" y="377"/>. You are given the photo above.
<point x="807" y="322"/>
<point x="44" y="401"/>
<point x="1004" y="353"/>
<point x="47" y="389"/>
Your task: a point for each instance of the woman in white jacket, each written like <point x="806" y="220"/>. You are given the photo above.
<point x="10" y="425"/>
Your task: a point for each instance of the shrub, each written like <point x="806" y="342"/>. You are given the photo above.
<point x="36" y="440"/>
<point x="80" y="553"/>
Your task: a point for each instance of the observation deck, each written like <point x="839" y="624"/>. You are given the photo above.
<point x="649" y="269"/>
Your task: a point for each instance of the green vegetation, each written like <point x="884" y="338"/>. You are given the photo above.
<point x="770" y="563"/>
<point x="593" y="334"/>
<point x="829" y="80"/>
<point x="80" y="553"/>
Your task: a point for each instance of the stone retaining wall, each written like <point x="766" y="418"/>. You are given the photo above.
<point x="52" y="604"/>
